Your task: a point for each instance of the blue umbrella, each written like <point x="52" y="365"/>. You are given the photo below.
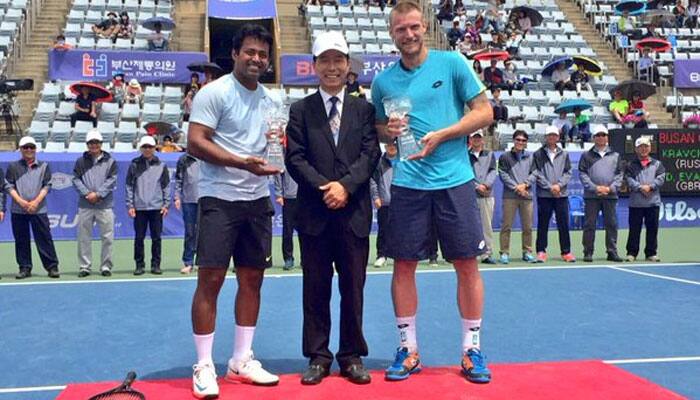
<point x="570" y="105"/>
<point x="167" y="23"/>
<point x="634" y="7"/>
<point x="549" y="68"/>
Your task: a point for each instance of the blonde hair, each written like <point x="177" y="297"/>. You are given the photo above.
<point x="404" y="7"/>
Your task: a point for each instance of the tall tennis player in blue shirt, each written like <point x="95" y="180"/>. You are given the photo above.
<point x="435" y="186"/>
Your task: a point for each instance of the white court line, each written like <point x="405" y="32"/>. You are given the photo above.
<point x="668" y="278"/>
<point x="621" y="361"/>
<point x="652" y="360"/>
<point x="369" y="272"/>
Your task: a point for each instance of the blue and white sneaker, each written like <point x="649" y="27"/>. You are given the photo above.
<point x="474" y="367"/>
<point x="405" y="364"/>
<point x="504" y="259"/>
<point x="528" y="257"/>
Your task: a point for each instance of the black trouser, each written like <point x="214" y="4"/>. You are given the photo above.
<point x="433" y="248"/>
<point x="546" y="206"/>
<point x="338" y="245"/>
<point x="289" y="213"/>
<point x="41" y="230"/>
<point x="592" y="208"/>
<point x="382" y="228"/>
<point x="153" y="220"/>
<point x="82" y="116"/>
<point x="650" y="217"/>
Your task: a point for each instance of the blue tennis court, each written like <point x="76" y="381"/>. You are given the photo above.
<point x="643" y="318"/>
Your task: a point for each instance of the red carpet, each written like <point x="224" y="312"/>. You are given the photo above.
<point x="542" y="381"/>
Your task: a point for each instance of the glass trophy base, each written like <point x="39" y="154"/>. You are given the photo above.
<point x="275" y="157"/>
<point x="407" y="146"/>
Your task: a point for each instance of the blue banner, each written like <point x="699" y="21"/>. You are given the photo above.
<point x="686" y="74"/>
<point x="242" y="9"/>
<point x="145" y="66"/>
<point x="62" y="201"/>
<point x="298" y="69"/>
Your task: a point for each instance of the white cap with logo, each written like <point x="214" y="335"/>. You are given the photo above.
<point x="147" y="141"/>
<point x="642" y="140"/>
<point x="551" y="130"/>
<point x="92" y="135"/>
<point x="27" y="140"/>
<point x="332" y="40"/>
<point x="477" y="132"/>
<point x="600" y="128"/>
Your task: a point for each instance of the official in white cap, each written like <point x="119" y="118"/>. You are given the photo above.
<point x="485" y="174"/>
<point x="95" y="179"/>
<point x="645" y="176"/>
<point x="28" y="181"/>
<point x="601" y="175"/>
<point x="552" y="169"/>
<point x="331" y="156"/>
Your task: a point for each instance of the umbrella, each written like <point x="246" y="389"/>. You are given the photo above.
<point x="661" y="12"/>
<point x="535" y="17"/>
<point x="570" y="105"/>
<point x="588" y="64"/>
<point x="98" y="91"/>
<point x="549" y="68"/>
<point x="492" y="55"/>
<point x="205" y="66"/>
<point x="628" y="87"/>
<point x="161" y="129"/>
<point x="632" y="6"/>
<point x="167" y="23"/>
<point x="655" y="44"/>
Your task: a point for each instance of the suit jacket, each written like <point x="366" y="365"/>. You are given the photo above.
<point x="313" y="159"/>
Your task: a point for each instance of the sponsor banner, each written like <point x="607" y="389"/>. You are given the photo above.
<point x="686" y="74"/>
<point x="62" y="201"/>
<point x="100" y="65"/>
<point x="298" y="69"/>
<point x="242" y="9"/>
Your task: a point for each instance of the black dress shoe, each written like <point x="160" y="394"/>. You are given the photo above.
<point x="614" y="257"/>
<point x="23" y="273"/>
<point x="156" y="271"/>
<point x="53" y="273"/>
<point x="588" y="257"/>
<point x="356" y="373"/>
<point x="106" y="272"/>
<point x="83" y="273"/>
<point x="139" y="271"/>
<point x="314" y="374"/>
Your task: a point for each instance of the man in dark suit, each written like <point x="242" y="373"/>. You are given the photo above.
<point x="332" y="150"/>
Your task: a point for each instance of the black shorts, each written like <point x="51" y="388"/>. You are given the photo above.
<point x="238" y="229"/>
<point x="453" y="212"/>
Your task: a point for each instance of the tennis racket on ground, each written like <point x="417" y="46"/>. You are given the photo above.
<point x="122" y="392"/>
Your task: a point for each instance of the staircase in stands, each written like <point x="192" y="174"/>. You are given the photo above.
<point x="189" y="20"/>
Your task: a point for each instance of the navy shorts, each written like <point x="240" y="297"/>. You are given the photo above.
<point x="453" y="212"/>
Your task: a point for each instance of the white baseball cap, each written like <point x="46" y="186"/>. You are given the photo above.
<point x="477" y="133"/>
<point x="456" y="19"/>
<point x="27" y="140"/>
<point x="600" y="128"/>
<point x="642" y="140"/>
<point x="551" y="130"/>
<point x="147" y="141"/>
<point x="93" y="134"/>
<point x="332" y="40"/>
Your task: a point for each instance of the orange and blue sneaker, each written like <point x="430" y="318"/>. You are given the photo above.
<point x="474" y="367"/>
<point x="405" y="364"/>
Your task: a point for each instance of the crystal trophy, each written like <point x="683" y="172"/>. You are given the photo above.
<point x="406" y="143"/>
<point x="274" y="154"/>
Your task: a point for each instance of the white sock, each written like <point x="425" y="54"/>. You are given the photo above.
<point x="470" y="333"/>
<point x="204" y="344"/>
<point x="243" y="343"/>
<point x="407" y="332"/>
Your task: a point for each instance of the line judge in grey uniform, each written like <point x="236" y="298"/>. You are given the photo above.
<point x="186" y="195"/>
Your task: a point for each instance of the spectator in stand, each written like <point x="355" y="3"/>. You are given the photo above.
<point x="513" y="44"/>
<point x="566" y="129"/>
<point x="500" y="111"/>
<point x="459" y="10"/>
<point x="126" y="29"/>
<point x="515" y="171"/>
<point x="194" y="83"/>
<point x="445" y="10"/>
<point x="28" y="181"/>
<point x="471" y="32"/>
<point x="647" y="67"/>
<point x="477" y="44"/>
<point x="493" y="76"/>
<point x="693" y="14"/>
<point x="380" y="190"/>
<point x="645" y="176"/>
<point x="581" y="79"/>
<point x="187" y="104"/>
<point x="478" y="69"/>
<point x="484" y="165"/>
<point x="638" y="110"/>
<point x="455" y="34"/>
<point x="286" y="196"/>
<point x="60" y="43"/>
<point x="510" y="78"/>
<point x="562" y="79"/>
<point x="157" y="41"/>
<point x="353" y="87"/>
<point x="147" y="201"/>
<point x="95" y="179"/>
<point x="85" y="109"/>
<point x="601" y="176"/>
<point x="186" y="197"/>
<point x="524" y="23"/>
<point x="552" y="169"/>
<point x="619" y="107"/>
<point x="498" y="41"/>
<point x="680" y="12"/>
<point x="107" y="28"/>
<point x="626" y="25"/>
<point x="492" y="18"/>
<point x="117" y="87"/>
<point x="583" y="126"/>
<point x="168" y="145"/>
<point x="134" y="93"/>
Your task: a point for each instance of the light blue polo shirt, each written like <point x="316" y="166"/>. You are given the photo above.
<point x="439" y="89"/>
<point x="237" y="116"/>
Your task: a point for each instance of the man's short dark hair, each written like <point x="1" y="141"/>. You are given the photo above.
<point x="520" y="133"/>
<point x="60" y="37"/>
<point x="253" y="31"/>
